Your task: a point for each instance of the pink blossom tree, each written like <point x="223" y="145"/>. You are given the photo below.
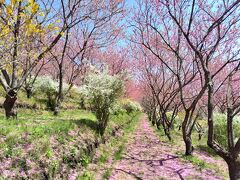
<point x="189" y="38"/>
<point x="94" y="31"/>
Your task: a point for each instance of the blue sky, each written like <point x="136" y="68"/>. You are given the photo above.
<point x="130" y="3"/>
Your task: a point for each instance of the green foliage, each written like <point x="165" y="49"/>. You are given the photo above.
<point x="118" y="154"/>
<point x="85" y="160"/>
<point x="49" y="153"/>
<point x="104" y="157"/>
<point x="53" y="169"/>
<point x="86" y="176"/>
<point x="73" y="93"/>
<point x="220" y="129"/>
<point x="117" y="109"/>
<point x="125" y="106"/>
<point x="130" y="106"/>
<point x="8" y="151"/>
<point x="177" y="120"/>
<point x="107" y="174"/>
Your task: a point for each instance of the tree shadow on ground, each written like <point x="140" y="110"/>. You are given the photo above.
<point x="151" y="161"/>
<point x="207" y="150"/>
<point x="86" y="122"/>
<point x="130" y="173"/>
<point x="159" y="162"/>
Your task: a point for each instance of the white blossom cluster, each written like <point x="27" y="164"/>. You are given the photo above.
<point x="102" y="89"/>
<point x="46" y="84"/>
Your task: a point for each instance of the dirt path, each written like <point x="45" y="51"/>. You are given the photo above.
<point x="146" y="157"/>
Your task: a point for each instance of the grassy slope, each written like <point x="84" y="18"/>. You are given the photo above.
<point x="40" y="145"/>
<point x="39" y="100"/>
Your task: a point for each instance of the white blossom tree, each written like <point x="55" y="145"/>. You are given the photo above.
<point x="101" y="91"/>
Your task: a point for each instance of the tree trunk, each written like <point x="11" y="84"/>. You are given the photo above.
<point x="179" y="127"/>
<point x="102" y="125"/>
<point x="59" y="97"/>
<point x="9" y="103"/>
<point x="102" y="116"/>
<point x="82" y="104"/>
<point x="153" y="122"/>
<point x="186" y="135"/>
<point x="56" y="110"/>
<point x="165" y="127"/>
<point x="154" y="117"/>
<point x="234" y="169"/>
<point x="167" y="133"/>
<point x="188" y="145"/>
<point x="210" y="109"/>
<point x="57" y="104"/>
<point x="158" y="123"/>
<point x="51" y="102"/>
<point x="28" y="92"/>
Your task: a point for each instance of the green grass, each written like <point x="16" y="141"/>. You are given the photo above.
<point x="195" y="161"/>
<point x="118" y="154"/>
<point x="34" y="126"/>
<point x="39" y="100"/>
<point x="104" y="157"/>
<point x="205" y="148"/>
<point x="37" y="128"/>
<point x="201" y="164"/>
<point x="107" y="174"/>
<point x="51" y="141"/>
<point x="86" y="176"/>
<point x="39" y="123"/>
